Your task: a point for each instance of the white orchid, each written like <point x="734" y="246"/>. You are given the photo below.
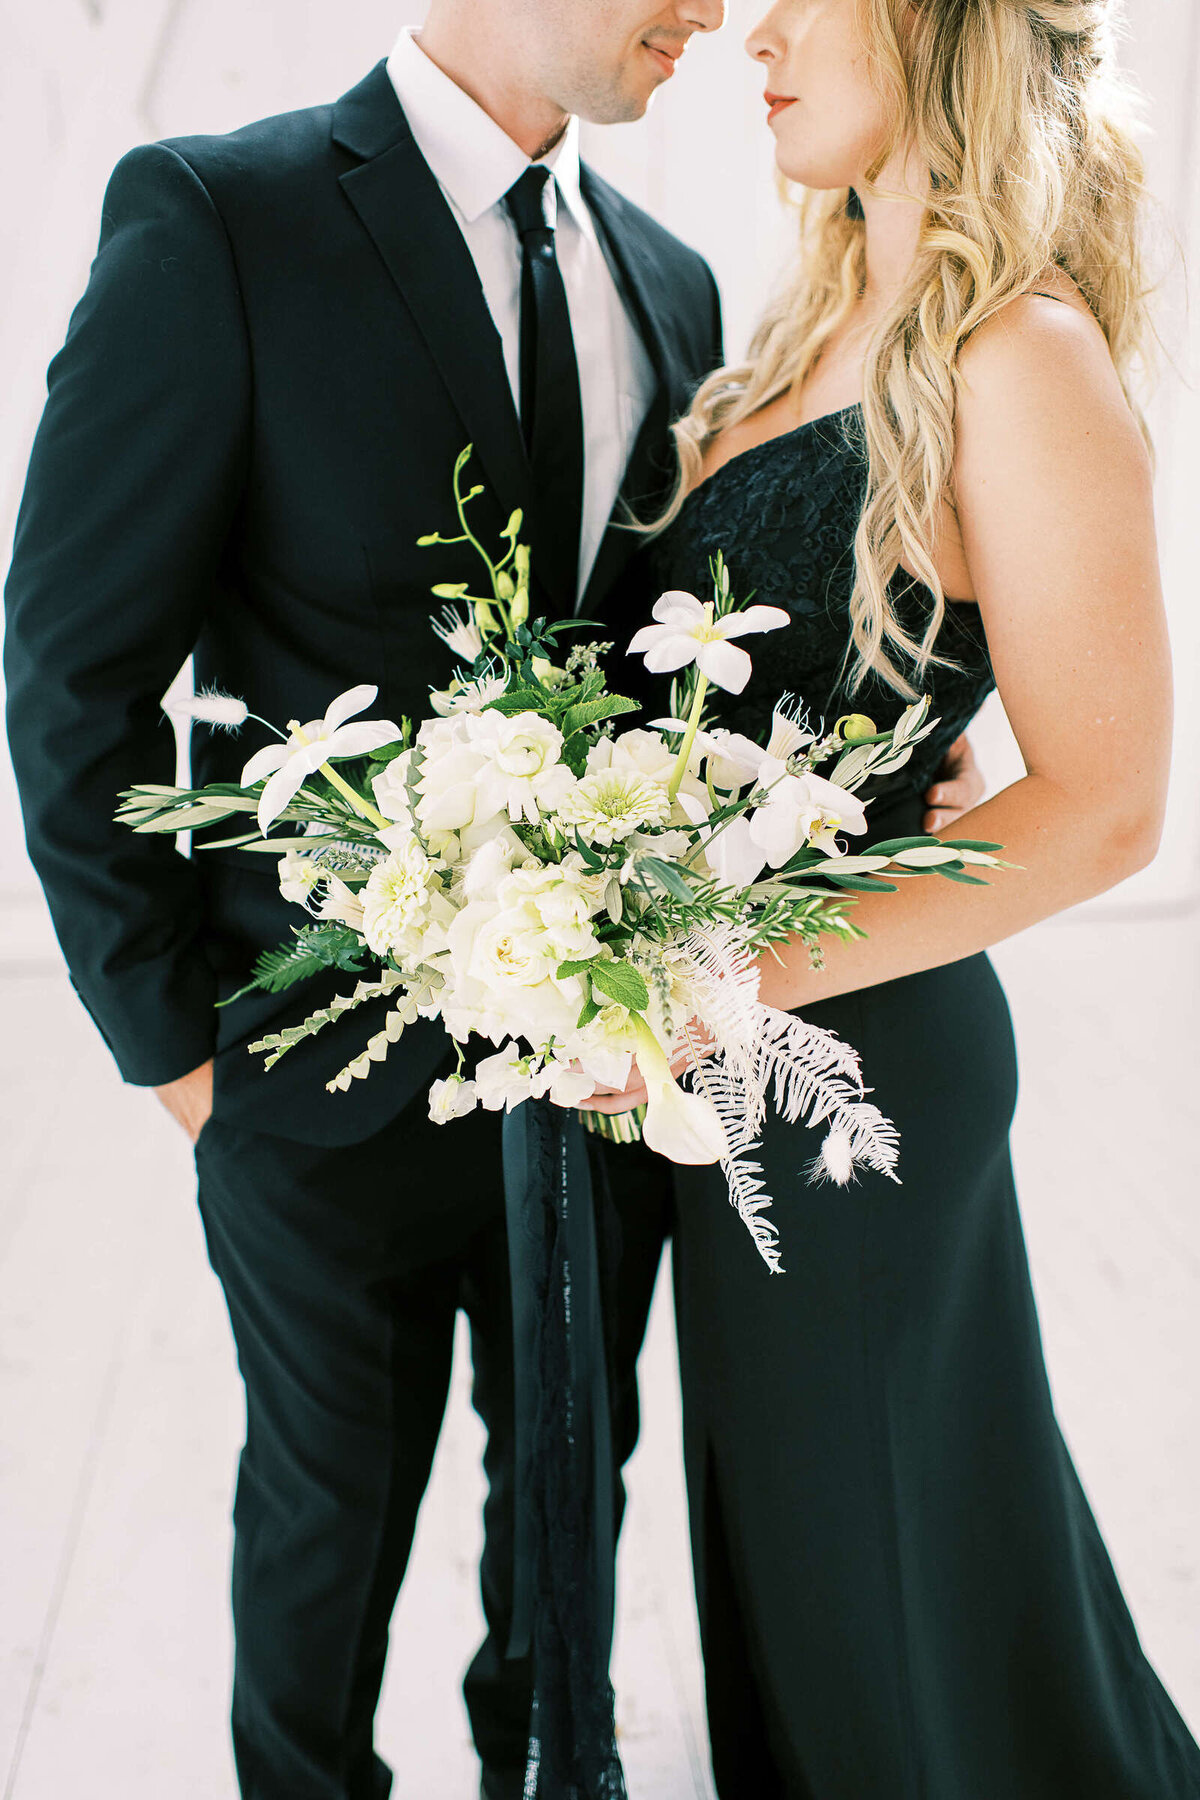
<point x="799" y="810"/>
<point x="688" y="632"/>
<point x="309" y="747"/>
<point x="734" y="759"/>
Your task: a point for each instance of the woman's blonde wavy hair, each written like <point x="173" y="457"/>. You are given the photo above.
<point x="1018" y="111"/>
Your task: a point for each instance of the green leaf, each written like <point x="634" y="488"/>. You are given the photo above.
<point x="892" y="846"/>
<point x="587" y="1013"/>
<point x="313" y="948"/>
<point x="667" y="875"/>
<point x="865" y="884"/>
<point x="588" y="854"/>
<point x="957" y="875"/>
<point x="519" y="700"/>
<point x="971" y="844"/>
<point x="567" y="625"/>
<point x="574" y="968"/>
<point x="622" y="983"/>
<point x="588" y="712"/>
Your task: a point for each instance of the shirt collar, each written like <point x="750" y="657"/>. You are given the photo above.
<point x="474" y="159"/>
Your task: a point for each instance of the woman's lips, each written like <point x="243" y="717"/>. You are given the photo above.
<point x="776" y="104"/>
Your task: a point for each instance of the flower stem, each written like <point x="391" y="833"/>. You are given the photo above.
<point x="362" y="807"/>
<point x="689" y="736"/>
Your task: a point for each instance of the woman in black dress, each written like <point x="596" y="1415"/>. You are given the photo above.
<point x="932" y="459"/>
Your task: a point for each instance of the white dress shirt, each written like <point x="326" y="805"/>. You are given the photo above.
<point x="475" y="163"/>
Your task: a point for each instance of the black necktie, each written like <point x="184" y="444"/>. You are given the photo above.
<point x="551" y="409"/>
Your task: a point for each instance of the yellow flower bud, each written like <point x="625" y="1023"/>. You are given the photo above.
<point x="852" y="728"/>
<point x="504" y="585"/>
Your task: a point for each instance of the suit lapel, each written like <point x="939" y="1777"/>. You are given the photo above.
<point x="652" y="463"/>
<point x="399" y="202"/>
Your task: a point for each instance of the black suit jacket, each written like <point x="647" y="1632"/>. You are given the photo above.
<point x="282" y="348"/>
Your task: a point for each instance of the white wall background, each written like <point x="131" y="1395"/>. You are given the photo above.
<point x="83" y="80"/>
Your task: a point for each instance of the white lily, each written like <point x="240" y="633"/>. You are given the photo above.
<point x="687" y="632"/>
<point x="681" y="1126"/>
<point x="309" y="747"/>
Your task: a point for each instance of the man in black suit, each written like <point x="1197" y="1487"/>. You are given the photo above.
<point x="288" y="335"/>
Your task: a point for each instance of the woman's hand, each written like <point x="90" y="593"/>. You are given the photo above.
<point x="958" y="786"/>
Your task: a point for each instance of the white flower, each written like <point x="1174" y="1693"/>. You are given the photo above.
<point x="341" y="903"/>
<point x="460" y="632"/>
<point x="452" y="1098"/>
<point x="448" y="783"/>
<point x="605" y="807"/>
<point x="688" y="632"/>
<point x="552" y="901"/>
<point x="298" y="876"/>
<point x="564" y="1085"/>
<point x="682" y="1127"/>
<point x="733" y="759"/>
<point x="638" y="751"/>
<point x="308" y="746"/>
<point x="397" y="897"/>
<point x="801" y="809"/>
<point x="521" y="773"/>
<point x="733" y="856"/>
<point x="604" y="1047"/>
<point x="490" y="860"/>
<point x="503" y="1080"/>
<point x="466" y="696"/>
<point x="390" y="788"/>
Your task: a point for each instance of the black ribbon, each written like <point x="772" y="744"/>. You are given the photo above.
<point x="564" y="1598"/>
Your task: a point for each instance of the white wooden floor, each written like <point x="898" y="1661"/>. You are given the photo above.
<point x="121" y="1412"/>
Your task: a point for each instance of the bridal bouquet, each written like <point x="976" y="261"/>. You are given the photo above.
<point x="577" y="896"/>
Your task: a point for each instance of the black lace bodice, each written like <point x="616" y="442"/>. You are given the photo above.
<point x="785" y="513"/>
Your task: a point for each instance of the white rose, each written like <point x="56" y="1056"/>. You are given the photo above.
<point x="522" y="774"/>
<point x="640" y="752"/>
<point x="505" y="950"/>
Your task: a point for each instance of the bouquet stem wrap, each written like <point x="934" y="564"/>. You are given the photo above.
<point x="564" y="1504"/>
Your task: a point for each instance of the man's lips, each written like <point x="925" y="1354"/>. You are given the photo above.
<point x="776" y="103"/>
<point x="666" y="59"/>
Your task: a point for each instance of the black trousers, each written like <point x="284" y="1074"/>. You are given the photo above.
<point x="343" y="1270"/>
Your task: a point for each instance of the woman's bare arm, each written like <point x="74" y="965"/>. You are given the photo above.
<point x="1055" y="507"/>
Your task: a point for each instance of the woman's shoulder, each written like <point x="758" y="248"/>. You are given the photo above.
<point x="1041" y="365"/>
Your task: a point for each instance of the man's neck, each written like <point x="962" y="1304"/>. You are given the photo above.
<point x="479" y="68"/>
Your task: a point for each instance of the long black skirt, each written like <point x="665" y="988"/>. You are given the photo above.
<point x="903" y="1593"/>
